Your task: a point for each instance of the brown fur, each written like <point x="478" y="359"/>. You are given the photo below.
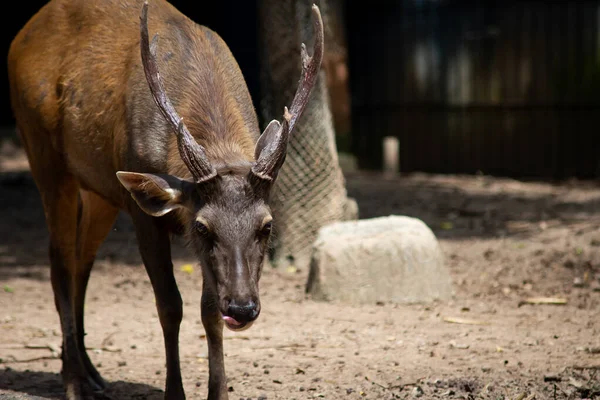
<point x="83" y="83"/>
<point x="84" y="111"/>
<point x="97" y="141"/>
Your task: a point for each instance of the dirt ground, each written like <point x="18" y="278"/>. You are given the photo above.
<point x="504" y="241"/>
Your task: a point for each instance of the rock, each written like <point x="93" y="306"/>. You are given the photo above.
<point x="393" y="259"/>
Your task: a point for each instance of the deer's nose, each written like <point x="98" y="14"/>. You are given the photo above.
<point x="243" y="312"/>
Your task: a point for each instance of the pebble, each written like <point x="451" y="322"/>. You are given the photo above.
<point x="417" y="391"/>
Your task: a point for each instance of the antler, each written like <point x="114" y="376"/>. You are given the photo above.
<point x="192" y="153"/>
<point x="272" y="144"/>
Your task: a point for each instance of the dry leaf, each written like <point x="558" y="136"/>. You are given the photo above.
<point x="446" y="225"/>
<point x="291" y="269"/>
<point x="189" y="268"/>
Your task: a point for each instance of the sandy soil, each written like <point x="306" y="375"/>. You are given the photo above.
<point x="504" y="241"/>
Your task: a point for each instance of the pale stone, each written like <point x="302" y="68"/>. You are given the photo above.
<point x="393" y="259"/>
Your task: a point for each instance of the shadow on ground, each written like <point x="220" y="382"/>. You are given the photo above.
<point x="24" y="235"/>
<point x="32" y="385"/>
<point x="461" y="207"/>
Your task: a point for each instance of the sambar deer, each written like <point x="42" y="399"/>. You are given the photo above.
<point x="180" y="150"/>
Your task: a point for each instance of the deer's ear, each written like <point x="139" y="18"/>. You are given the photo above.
<point x="155" y="194"/>
<point x="266" y="141"/>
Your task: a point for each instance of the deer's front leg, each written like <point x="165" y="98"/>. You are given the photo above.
<point x="213" y="325"/>
<point x="155" y="249"/>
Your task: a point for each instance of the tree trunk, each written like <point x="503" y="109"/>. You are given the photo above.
<point x="310" y="189"/>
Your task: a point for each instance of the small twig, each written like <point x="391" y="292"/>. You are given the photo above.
<point x="340" y="320"/>
<point x="282" y="346"/>
<point x="544" y="300"/>
<point x="240" y="337"/>
<point x="593" y="367"/>
<point x="108" y="349"/>
<point x="464" y="321"/>
<point x="107" y="339"/>
<point x="403" y="385"/>
<point x="561" y="389"/>
<point x="376" y="384"/>
<point x="28" y="360"/>
<point x="50" y="346"/>
<point x="15" y="346"/>
<point x="34" y="346"/>
<point x="592" y="376"/>
<point x="237" y="337"/>
<point x="12" y="346"/>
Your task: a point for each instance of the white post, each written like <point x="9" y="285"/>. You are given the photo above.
<point x="391" y="156"/>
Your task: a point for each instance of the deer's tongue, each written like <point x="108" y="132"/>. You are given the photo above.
<point x="236" y="325"/>
<point x="231" y="321"/>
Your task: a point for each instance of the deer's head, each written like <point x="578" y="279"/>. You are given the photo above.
<point x="226" y="212"/>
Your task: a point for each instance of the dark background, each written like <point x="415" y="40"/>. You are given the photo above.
<point x="236" y="22"/>
<point x="503" y="87"/>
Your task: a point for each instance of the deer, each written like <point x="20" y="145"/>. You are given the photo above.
<point x="167" y="133"/>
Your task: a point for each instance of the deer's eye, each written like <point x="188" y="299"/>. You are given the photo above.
<point x="266" y="229"/>
<point x="201" y="229"/>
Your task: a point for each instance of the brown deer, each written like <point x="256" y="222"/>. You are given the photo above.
<point x="89" y="108"/>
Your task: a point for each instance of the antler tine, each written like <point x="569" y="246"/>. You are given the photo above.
<point x="273" y="142"/>
<point x="192" y="153"/>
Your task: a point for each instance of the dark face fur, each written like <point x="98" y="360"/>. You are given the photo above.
<point x="228" y="226"/>
<point x="230" y="232"/>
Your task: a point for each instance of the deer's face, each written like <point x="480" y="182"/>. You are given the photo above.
<point x="230" y="232"/>
<point x="228" y="226"/>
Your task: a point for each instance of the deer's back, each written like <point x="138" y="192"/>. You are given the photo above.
<point x="76" y="75"/>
